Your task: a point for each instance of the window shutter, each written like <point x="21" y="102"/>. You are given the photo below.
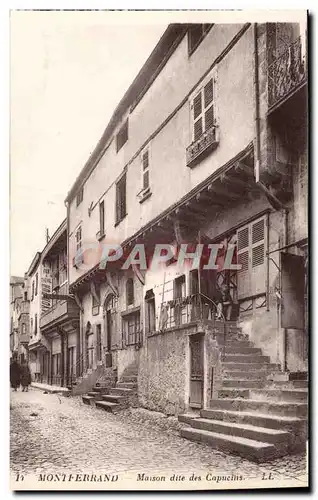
<point x="197" y="117"/>
<point x="258" y="256"/>
<point x="145" y="166"/>
<point x="209" y="105"/>
<point x="243" y="275"/>
<point x="251" y="244"/>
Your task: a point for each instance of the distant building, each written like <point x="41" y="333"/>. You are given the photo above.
<point x="16" y="295"/>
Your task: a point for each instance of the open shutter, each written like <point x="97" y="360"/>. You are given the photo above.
<point x="209" y="105"/>
<point x="251" y="248"/>
<point x="258" y="256"/>
<point x="243" y="255"/>
<point x="197" y="117"/>
<point x="145" y="166"/>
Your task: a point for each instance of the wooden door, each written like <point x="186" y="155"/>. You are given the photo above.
<point x="196" y="371"/>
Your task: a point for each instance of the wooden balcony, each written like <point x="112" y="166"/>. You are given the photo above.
<point x="24" y="338"/>
<point x="286" y="74"/>
<point x="62" y="311"/>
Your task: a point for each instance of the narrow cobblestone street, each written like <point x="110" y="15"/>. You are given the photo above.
<point x="54" y="434"/>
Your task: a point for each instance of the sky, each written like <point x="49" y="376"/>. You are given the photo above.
<point x="68" y="71"/>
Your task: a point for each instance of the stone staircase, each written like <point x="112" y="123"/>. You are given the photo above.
<point x="259" y="413"/>
<point x="114" y="399"/>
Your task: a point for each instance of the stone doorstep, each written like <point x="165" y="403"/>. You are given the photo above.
<point x="245" y="358"/>
<point x="88" y="400"/>
<point x="241" y="384"/>
<point x="245" y="375"/>
<point x="236" y="366"/>
<point x="272" y="407"/>
<point x="108" y="406"/>
<point x="248" y="448"/>
<point x="263" y="434"/>
<point x="115" y="398"/>
<point x="254" y="418"/>
<point x="52" y="389"/>
<point x="282" y="395"/>
<point x="247" y="350"/>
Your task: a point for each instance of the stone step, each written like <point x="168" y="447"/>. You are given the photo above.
<point x="286" y="423"/>
<point x="245" y="358"/>
<point x="227" y="365"/>
<point x="291" y="384"/>
<point x="247" y="448"/>
<point x="101" y="389"/>
<point x="242" y="384"/>
<point x="245" y="375"/>
<point x="272" y="407"/>
<point x="108" y="406"/>
<point x="129" y="378"/>
<point x="127" y="385"/>
<point x="122" y="391"/>
<point x="292" y="395"/>
<point x="88" y="399"/>
<point x="248" y="431"/>
<point x="94" y="393"/>
<point x="233" y="393"/>
<point x="238" y="344"/>
<point x="242" y="350"/>
<point x="115" y="398"/>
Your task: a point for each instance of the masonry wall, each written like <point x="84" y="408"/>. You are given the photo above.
<point x="166" y="104"/>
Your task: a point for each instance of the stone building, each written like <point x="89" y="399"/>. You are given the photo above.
<point x="197" y="151"/>
<point x="59" y="318"/>
<point x="16" y="297"/>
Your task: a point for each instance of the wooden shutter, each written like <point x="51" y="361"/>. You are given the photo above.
<point x="251" y="247"/>
<point x="145" y="168"/>
<point x="209" y="105"/>
<point x="257" y="230"/>
<point x="102" y="217"/>
<point x="197" y="117"/>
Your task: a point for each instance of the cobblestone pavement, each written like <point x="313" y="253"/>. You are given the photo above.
<point x="55" y="434"/>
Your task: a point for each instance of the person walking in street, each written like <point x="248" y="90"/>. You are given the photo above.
<point x="15" y="373"/>
<point x="25" y="376"/>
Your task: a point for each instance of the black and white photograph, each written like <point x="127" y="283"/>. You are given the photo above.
<point x="158" y="250"/>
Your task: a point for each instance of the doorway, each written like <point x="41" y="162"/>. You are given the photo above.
<point x="110" y="313"/>
<point x="196" y="371"/>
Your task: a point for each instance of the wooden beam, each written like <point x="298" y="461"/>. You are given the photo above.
<point x="57" y="296"/>
<point x="78" y="302"/>
<point x="94" y="292"/>
<point x="247" y="169"/>
<point x="226" y="179"/>
<point x="219" y="190"/>
<point x="112" y="284"/>
<point x="178" y="232"/>
<point x="138" y="273"/>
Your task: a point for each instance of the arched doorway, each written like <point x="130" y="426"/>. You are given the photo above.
<point x="110" y="315"/>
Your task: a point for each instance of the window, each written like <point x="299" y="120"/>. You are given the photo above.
<point x="25" y="296"/>
<point x="196" y="34"/>
<point x="101" y="218"/>
<point x="122" y="136"/>
<point x="79" y="196"/>
<point x="150" y="311"/>
<point x="35" y="324"/>
<point x="98" y="342"/>
<point x="132" y="328"/>
<point x="179" y="292"/>
<point x="251" y="245"/>
<point x="121" y="199"/>
<point x="78" y="247"/>
<point x="23" y="329"/>
<point x="145" y="170"/>
<point x="31" y="328"/>
<point x="203" y="110"/>
<point x="96" y="300"/>
<point x="130" y="292"/>
<point x="32" y="290"/>
<point x="36" y="283"/>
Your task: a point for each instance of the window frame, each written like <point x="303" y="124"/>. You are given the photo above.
<point x="130" y="292"/>
<point x="121" y="207"/>
<point x="134" y="337"/>
<point x="122" y="136"/>
<point x="102" y="218"/>
<point x="211" y="77"/>
<point x="36" y="283"/>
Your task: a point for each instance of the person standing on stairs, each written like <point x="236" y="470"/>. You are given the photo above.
<point x="224" y="303"/>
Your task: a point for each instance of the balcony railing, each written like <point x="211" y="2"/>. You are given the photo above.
<point x="286" y="73"/>
<point x="202" y="146"/>
<point x="24" y="338"/>
<point x="60" y="309"/>
<point x="185" y="310"/>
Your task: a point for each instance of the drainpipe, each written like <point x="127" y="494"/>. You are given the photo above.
<point x="274" y="201"/>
